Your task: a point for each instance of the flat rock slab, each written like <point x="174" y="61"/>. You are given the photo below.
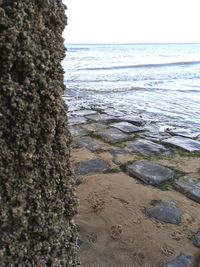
<point x="114" y="113"/>
<point x="167" y="212"/>
<point x="101" y="118"/>
<point x="155" y="136"/>
<point x="133" y="120"/>
<point x="196" y="241"/>
<point x="77" y="120"/>
<point x="84" y="112"/>
<point x="149" y="172"/>
<point x="77" y="131"/>
<point x="92" y="166"/>
<point x="183" y="132"/>
<point x="88" y="143"/>
<point x="190" y="187"/>
<point x="118" y="151"/>
<point x="184" y="143"/>
<point x="126" y="127"/>
<point x="181" y="261"/>
<point x="114" y="136"/>
<point x="95" y="127"/>
<point x="148" y="148"/>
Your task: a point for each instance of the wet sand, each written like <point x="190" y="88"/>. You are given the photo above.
<point x="115" y="229"/>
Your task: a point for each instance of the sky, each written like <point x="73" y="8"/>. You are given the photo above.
<point x="132" y="21"/>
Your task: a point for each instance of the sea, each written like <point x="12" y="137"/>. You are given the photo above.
<point x="158" y="81"/>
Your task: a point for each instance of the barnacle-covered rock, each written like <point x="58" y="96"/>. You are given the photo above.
<point x="37" y="200"/>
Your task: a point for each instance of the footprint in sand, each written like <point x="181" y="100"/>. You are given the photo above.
<point x="138" y="258"/>
<point x="96" y="203"/>
<point x="91" y="237"/>
<point x="187" y="219"/>
<point x="136" y="221"/>
<point x="115" y="231"/>
<point x="177" y="235"/>
<point x="167" y="250"/>
<point x="159" y="224"/>
<point x="130" y="240"/>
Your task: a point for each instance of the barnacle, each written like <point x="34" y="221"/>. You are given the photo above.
<point x="37" y="200"/>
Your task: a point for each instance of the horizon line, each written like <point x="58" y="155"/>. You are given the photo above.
<point x="128" y="43"/>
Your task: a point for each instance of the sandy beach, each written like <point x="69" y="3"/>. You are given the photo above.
<point x="115" y="221"/>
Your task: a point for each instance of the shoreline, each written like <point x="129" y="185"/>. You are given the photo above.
<point x="113" y="157"/>
<point x="111" y="103"/>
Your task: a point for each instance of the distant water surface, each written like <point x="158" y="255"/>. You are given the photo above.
<point x="159" y="80"/>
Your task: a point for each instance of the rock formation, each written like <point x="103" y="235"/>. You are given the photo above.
<point x="37" y="200"/>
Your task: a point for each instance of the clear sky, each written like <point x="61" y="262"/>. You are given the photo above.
<point x="132" y="21"/>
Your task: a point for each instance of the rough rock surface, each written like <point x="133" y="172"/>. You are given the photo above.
<point x="148" y="148"/>
<point x="181" y="261"/>
<point x="149" y="172"/>
<point x="167" y="212"/>
<point x="37" y="201"/>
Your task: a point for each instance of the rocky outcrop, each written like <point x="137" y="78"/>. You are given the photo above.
<point x="37" y="201"/>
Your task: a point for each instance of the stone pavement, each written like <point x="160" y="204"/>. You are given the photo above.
<point x="121" y="144"/>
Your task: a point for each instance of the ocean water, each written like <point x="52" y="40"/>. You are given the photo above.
<point x="160" y="81"/>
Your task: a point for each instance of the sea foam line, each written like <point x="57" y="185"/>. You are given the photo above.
<point x="152" y="65"/>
